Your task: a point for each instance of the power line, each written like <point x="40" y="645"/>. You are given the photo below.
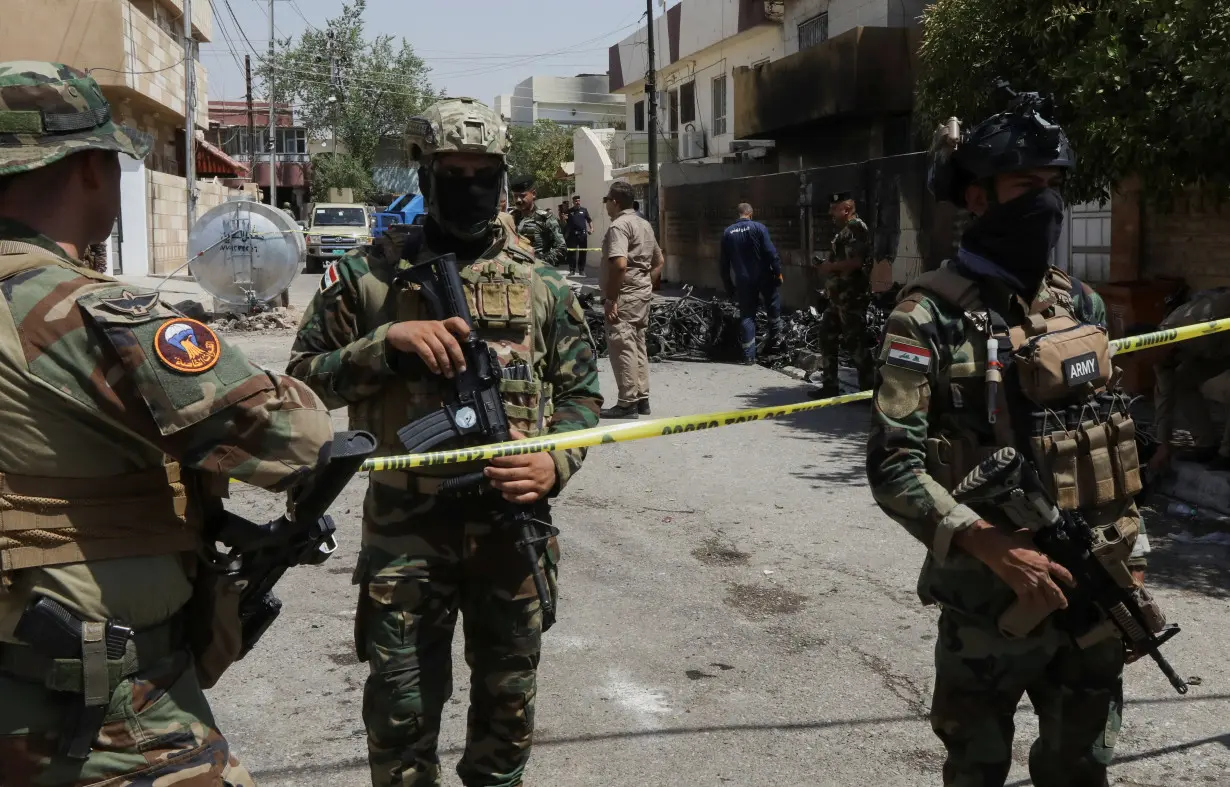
<point x="179" y="62"/>
<point x="239" y="27"/>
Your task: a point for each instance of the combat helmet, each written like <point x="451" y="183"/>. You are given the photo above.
<point x="456" y="125"/>
<point x="1018" y="138"/>
<point x="49" y="111"/>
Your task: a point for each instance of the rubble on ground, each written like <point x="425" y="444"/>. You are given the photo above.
<point x="276" y="319"/>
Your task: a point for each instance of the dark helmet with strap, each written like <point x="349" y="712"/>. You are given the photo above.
<point x="1020" y="137"/>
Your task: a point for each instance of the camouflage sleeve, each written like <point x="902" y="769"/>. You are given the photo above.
<point x="860" y="243"/>
<point x="552" y="242"/>
<point x="572" y="371"/>
<point x="1096" y="312"/>
<point x="896" y="446"/>
<point x="167" y="379"/>
<point x="333" y="352"/>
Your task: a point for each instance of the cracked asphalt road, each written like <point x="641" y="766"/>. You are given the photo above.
<point x="735" y="611"/>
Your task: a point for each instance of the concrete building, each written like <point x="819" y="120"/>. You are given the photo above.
<point x="228" y="130"/>
<point x="582" y="100"/>
<point x="134" y="49"/>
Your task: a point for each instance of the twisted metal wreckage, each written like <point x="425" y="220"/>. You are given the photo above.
<point x="691" y="328"/>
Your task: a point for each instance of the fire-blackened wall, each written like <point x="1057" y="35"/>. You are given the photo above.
<point x="890" y="193"/>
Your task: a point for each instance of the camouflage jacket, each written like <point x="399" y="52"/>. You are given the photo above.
<point x="542" y="229"/>
<point x="939" y="389"/>
<point x="102" y="380"/>
<point x="852" y="242"/>
<point x="342" y="353"/>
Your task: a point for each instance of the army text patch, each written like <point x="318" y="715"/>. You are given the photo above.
<point x="906" y="354"/>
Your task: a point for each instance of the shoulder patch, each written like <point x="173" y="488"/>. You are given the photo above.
<point x="187" y="346"/>
<point x="127" y="303"/>
<point x="330" y="278"/>
<point x="906" y="353"/>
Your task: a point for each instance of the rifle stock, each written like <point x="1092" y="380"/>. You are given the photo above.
<point x="259" y="554"/>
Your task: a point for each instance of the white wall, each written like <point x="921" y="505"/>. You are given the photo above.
<point x="135" y="216"/>
<point x="569" y="100"/>
<point x="593" y="175"/>
<point x="703" y="67"/>
<point x="503" y="105"/>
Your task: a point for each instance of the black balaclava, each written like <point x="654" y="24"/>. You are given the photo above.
<point x="462" y="207"/>
<point x="1019" y="234"/>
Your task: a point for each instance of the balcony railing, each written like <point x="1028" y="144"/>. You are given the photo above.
<point x="632" y="147"/>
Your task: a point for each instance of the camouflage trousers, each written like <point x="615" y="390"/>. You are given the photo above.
<point x="980" y="679"/>
<point x="157" y="730"/>
<point x="844" y="323"/>
<point x="415" y="579"/>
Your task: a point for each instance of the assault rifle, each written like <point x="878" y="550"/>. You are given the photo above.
<point x="1005" y="481"/>
<point x="475" y="412"/>
<point x="260" y="554"/>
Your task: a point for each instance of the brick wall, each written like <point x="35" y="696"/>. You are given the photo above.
<point x="1191" y="241"/>
<point x="168" y="208"/>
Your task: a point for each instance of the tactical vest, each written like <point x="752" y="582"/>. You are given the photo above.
<point x="500" y="293"/>
<point x="55" y="520"/>
<point x="1058" y="401"/>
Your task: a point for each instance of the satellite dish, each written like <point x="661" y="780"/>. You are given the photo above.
<point x="245" y="253"/>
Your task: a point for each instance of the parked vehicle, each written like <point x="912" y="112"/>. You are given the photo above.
<point x="334" y="229"/>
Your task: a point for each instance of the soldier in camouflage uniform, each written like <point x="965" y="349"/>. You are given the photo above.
<point x="848" y="287"/>
<point x="367" y="345"/>
<point x="100" y="385"/>
<point x="539" y="227"/>
<point x="930" y="426"/>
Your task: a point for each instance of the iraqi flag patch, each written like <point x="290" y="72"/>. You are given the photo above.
<point x="330" y="278"/>
<point x="906" y="354"/>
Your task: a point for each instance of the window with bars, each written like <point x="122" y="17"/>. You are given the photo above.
<point x="719" y="105"/>
<point x="813" y="31"/>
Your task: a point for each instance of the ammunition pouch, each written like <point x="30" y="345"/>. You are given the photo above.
<point x="215" y="631"/>
<point x="1068" y="358"/>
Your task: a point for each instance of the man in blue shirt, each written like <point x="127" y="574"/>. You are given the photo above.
<point x="748" y="253"/>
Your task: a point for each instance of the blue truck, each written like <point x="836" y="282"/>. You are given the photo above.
<point x="401" y="211"/>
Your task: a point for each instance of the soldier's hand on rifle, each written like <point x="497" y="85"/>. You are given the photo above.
<point x="524" y="478"/>
<point x="1014" y="559"/>
<point x="435" y="341"/>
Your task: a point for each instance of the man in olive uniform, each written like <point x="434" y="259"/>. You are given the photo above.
<point x="373" y="347"/>
<point x="1182" y="368"/>
<point x="101" y="384"/>
<point x="848" y="287"/>
<point x="932" y="423"/>
<point x="540" y="227"/>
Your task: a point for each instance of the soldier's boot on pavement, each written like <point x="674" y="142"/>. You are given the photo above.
<point x="621" y="411"/>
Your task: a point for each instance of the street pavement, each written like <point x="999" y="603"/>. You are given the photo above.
<point x="735" y="610"/>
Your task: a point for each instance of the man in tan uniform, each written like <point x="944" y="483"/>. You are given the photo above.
<point x="101" y="385"/>
<point x="631" y="268"/>
<point x="1182" y="369"/>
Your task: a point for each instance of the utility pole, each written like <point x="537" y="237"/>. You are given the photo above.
<point x="247" y="76"/>
<point x="273" y="129"/>
<point x="651" y="88"/>
<point x="335" y="82"/>
<point x="189" y="113"/>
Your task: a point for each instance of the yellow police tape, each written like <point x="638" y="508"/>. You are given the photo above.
<point x="662" y="427"/>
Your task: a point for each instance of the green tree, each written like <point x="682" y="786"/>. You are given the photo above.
<point x="539" y="150"/>
<point x="340" y="171"/>
<point x="378" y="84"/>
<point x="1142" y="87"/>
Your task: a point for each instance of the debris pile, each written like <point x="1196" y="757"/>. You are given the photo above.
<point x="699" y="329"/>
<point x="276" y="319"/>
